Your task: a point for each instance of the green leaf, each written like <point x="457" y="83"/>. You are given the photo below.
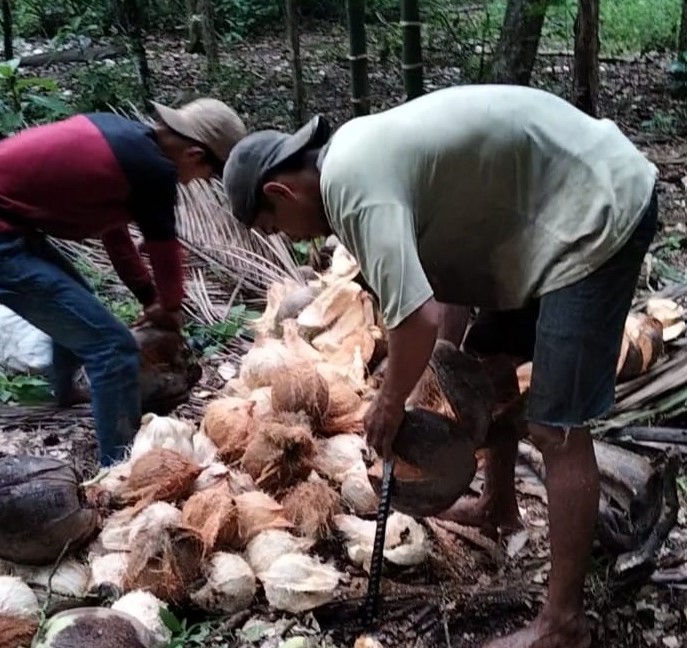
<point x="170" y="621"/>
<point x="37" y="82"/>
<point x="52" y="104"/>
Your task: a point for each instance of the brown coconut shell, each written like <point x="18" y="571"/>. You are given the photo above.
<point x="16" y="631"/>
<point x="258" y="512"/>
<point x="311" y="506"/>
<point x="641" y="347"/>
<point x="229" y="423"/>
<point x="160" y="474"/>
<point x="213" y="514"/>
<point x="280" y="453"/>
<point x="166" y="563"/>
<point x="301" y="389"/>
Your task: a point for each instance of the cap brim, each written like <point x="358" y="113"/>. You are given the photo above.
<point x="171" y="118"/>
<point x="313" y="134"/>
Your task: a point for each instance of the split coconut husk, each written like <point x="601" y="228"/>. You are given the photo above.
<point x="94" y="628"/>
<point x="293" y="304"/>
<point x="122" y="527"/>
<point x="160" y="474"/>
<point x="268" y="545"/>
<point x="301" y="389"/>
<point x="110" y="568"/>
<point x="357" y="492"/>
<point x="276" y="293"/>
<point x="670" y="314"/>
<point x="297" y="345"/>
<point x="280" y="452"/>
<point x="641" y="347"/>
<point x="43" y="509"/>
<point x="229" y="423"/>
<point x="16" y="631"/>
<point x="311" y="506"/>
<point x="229" y="587"/>
<point x="213" y="514"/>
<point x="338" y="454"/>
<point x="163" y="432"/>
<point x="259" y="512"/>
<point x="167" y="564"/>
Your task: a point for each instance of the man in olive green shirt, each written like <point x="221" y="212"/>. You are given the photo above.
<point x="501" y="197"/>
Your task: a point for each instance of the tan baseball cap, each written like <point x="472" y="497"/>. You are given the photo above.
<point x="207" y="121"/>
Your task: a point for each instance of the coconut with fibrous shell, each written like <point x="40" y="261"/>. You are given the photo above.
<point x="163" y="432"/>
<point x="121" y="528"/>
<point x="262" y="397"/>
<point x="268" y="545"/>
<point x="69" y="579"/>
<point x="266" y="359"/>
<point x="259" y="512"/>
<point x="108" y="568"/>
<point x="338" y="454"/>
<point x="160" y="474"/>
<point x="229" y="423"/>
<point x="280" y="453"/>
<point x="213" y="514"/>
<point x="311" y="506"/>
<point x="229" y="587"/>
<point x="301" y="389"/>
<point x="166" y="563"/>
<point x="19" y="610"/>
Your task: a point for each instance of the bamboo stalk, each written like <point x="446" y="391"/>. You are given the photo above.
<point x="358" y="57"/>
<point x="412" y="48"/>
<point x="293" y="34"/>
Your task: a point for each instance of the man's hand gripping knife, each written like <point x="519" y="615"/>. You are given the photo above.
<point x="410" y="348"/>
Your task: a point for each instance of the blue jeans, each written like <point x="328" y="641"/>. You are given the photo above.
<point x="572" y="335"/>
<point x="39" y="284"/>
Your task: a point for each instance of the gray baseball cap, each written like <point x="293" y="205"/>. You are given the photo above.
<point x="258" y="154"/>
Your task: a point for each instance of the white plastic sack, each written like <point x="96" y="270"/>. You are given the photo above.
<point x="23" y="347"/>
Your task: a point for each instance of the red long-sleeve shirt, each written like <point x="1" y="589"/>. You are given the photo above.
<point x="89" y="176"/>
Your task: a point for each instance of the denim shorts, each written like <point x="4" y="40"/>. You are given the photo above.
<point x="572" y="335"/>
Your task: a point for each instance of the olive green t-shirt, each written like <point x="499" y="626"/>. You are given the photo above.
<point x="484" y="195"/>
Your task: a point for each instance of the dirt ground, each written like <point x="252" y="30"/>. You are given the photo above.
<point x="492" y="588"/>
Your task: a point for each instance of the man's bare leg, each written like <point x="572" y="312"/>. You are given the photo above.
<point x="572" y="486"/>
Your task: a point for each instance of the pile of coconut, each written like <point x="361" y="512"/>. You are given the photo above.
<point x="243" y="506"/>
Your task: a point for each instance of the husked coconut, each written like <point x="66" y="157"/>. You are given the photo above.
<point x="204" y="450"/>
<point x="17" y="598"/>
<point x="367" y="642"/>
<point x="268" y="545"/>
<point x="109" y="568"/>
<point x="229" y="423"/>
<point x="311" y="506"/>
<point x="213" y="514"/>
<point x="212" y="475"/>
<point x="265" y="360"/>
<point x="297" y="583"/>
<point x="280" y="453"/>
<point x="122" y="527"/>
<point x="405" y="542"/>
<point x="259" y="512"/>
<point x="163" y="432"/>
<point x="166" y="563"/>
<point x="70" y="579"/>
<point x="230" y="585"/>
<point x="94" y="627"/>
<point x="301" y="389"/>
<point x="338" y="454"/>
<point x="357" y="491"/>
<point x="160" y="474"/>
<point x="146" y="608"/>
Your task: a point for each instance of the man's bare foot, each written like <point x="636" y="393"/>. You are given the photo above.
<point x="76" y="396"/>
<point x="544" y="632"/>
<point x="489" y="516"/>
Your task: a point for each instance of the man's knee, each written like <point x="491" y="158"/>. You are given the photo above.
<point x="549" y="438"/>
<point x="119" y="351"/>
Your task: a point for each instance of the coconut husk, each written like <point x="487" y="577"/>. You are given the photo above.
<point x="266" y="358"/>
<point x="259" y="512"/>
<point x="280" y="453"/>
<point x="428" y="394"/>
<point x="343" y="400"/>
<point x="301" y="389"/>
<point x="213" y="514"/>
<point x="641" y="347"/>
<point x="350" y="423"/>
<point x="229" y="423"/>
<point x="160" y="474"/>
<point x="311" y="506"/>
<point x="16" y="631"/>
<point x="166" y="564"/>
<point x="297" y="345"/>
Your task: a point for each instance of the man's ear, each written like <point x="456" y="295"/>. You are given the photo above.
<point x="274" y="190"/>
<point x="195" y="153"/>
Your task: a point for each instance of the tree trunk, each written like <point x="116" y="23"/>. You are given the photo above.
<point x="517" y="48"/>
<point x="412" y="48"/>
<point x="195" y="36"/>
<point x="360" y="101"/>
<point x="7" y="28"/>
<point x="132" y="16"/>
<point x="207" y="29"/>
<point x="586" y="71"/>
<point x="293" y="34"/>
<point x="682" y="38"/>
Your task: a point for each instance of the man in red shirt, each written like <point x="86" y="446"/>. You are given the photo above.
<point x="89" y="176"/>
